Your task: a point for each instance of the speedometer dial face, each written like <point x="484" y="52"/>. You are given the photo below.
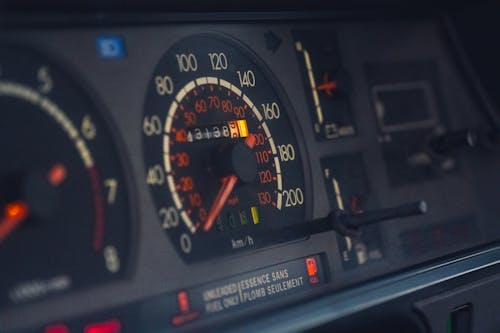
<point x="64" y="208"/>
<point x="222" y="159"/>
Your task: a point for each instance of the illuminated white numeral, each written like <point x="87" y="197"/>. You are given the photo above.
<point x="293" y="197"/>
<point x="111" y="259"/>
<point x="271" y="110"/>
<point x="155" y="176"/>
<point x="218" y="61"/>
<point x="216" y="132"/>
<point x="152" y="125"/>
<point x="185" y="243"/>
<point x="225" y="131"/>
<point x="45" y="83"/>
<point x="112" y="186"/>
<point x="287" y="152"/>
<point x="198" y="135"/>
<point x="169" y="217"/>
<point x="247" y="78"/>
<point x="164" y="85"/>
<point x="187" y="62"/>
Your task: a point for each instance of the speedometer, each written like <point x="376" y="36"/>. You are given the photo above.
<point x="222" y="160"/>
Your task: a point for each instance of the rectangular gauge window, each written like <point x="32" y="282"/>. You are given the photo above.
<point x="404" y="106"/>
<point x="349" y="190"/>
<point x="326" y="84"/>
<point x="406" y="100"/>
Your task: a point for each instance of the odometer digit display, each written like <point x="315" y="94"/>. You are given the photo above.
<point x="221" y="156"/>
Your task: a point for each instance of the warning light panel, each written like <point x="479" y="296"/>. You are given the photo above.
<point x="185" y="314"/>
<point x="161" y="313"/>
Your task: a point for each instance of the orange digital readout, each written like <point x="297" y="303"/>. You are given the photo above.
<point x="238" y="128"/>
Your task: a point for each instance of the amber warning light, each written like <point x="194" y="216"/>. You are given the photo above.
<point x="312" y="270"/>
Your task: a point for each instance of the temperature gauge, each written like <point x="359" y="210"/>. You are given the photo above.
<point x="326" y="84"/>
<point x="349" y="191"/>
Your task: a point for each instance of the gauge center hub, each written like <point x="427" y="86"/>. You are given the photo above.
<point x="237" y="159"/>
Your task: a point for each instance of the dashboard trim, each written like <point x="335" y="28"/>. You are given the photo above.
<point x="342" y="304"/>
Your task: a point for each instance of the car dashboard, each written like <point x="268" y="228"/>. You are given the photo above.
<point x="268" y="170"/>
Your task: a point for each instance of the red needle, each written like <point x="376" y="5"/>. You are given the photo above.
<point x="327" y="85"/>
<point x="225" y="190"/>
<point x="15" y="213"/>
<point x="250" y="141"/>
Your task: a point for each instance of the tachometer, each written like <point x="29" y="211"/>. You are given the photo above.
<point x="222" y="159"/>
<point x="64" y="208"/>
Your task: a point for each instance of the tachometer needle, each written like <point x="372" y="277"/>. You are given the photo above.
<point x="225" y="190"/>
<point x="14" y="214"/>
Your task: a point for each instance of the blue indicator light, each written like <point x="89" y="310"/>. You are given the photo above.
<point x="111" y="47"/>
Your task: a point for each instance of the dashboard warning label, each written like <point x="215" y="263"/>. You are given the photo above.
<point x="258" y="286"/>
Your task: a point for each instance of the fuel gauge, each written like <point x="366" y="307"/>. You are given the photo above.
<point x="326" y="83"/>
<point x="349" y="191"/>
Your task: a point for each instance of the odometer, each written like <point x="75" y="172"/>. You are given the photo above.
<point x="222" y="159"/>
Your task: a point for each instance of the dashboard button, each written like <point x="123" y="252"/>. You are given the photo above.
<point x="111" y="47"/>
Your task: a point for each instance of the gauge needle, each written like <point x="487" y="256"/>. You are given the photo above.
<point x="328" y="86"/>
<point x="250" y="141"/>
<point x="15" y="213"/>
<point x="225" y="190"/>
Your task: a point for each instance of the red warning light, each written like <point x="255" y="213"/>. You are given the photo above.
<point x="58" y="328"/>
<point x="110" y="326"/>
<point x="312" y="268"/>
<point x="185" y="315"/>
<point x="182" y="299"/>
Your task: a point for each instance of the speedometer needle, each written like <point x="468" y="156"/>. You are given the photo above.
<point x="225" y="190"/>
<point x="15" y="213"/>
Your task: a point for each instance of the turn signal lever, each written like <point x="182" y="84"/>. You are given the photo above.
<point x="350" y="224"/>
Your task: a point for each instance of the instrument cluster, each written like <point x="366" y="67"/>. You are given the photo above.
<point x="180" y="176"/>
